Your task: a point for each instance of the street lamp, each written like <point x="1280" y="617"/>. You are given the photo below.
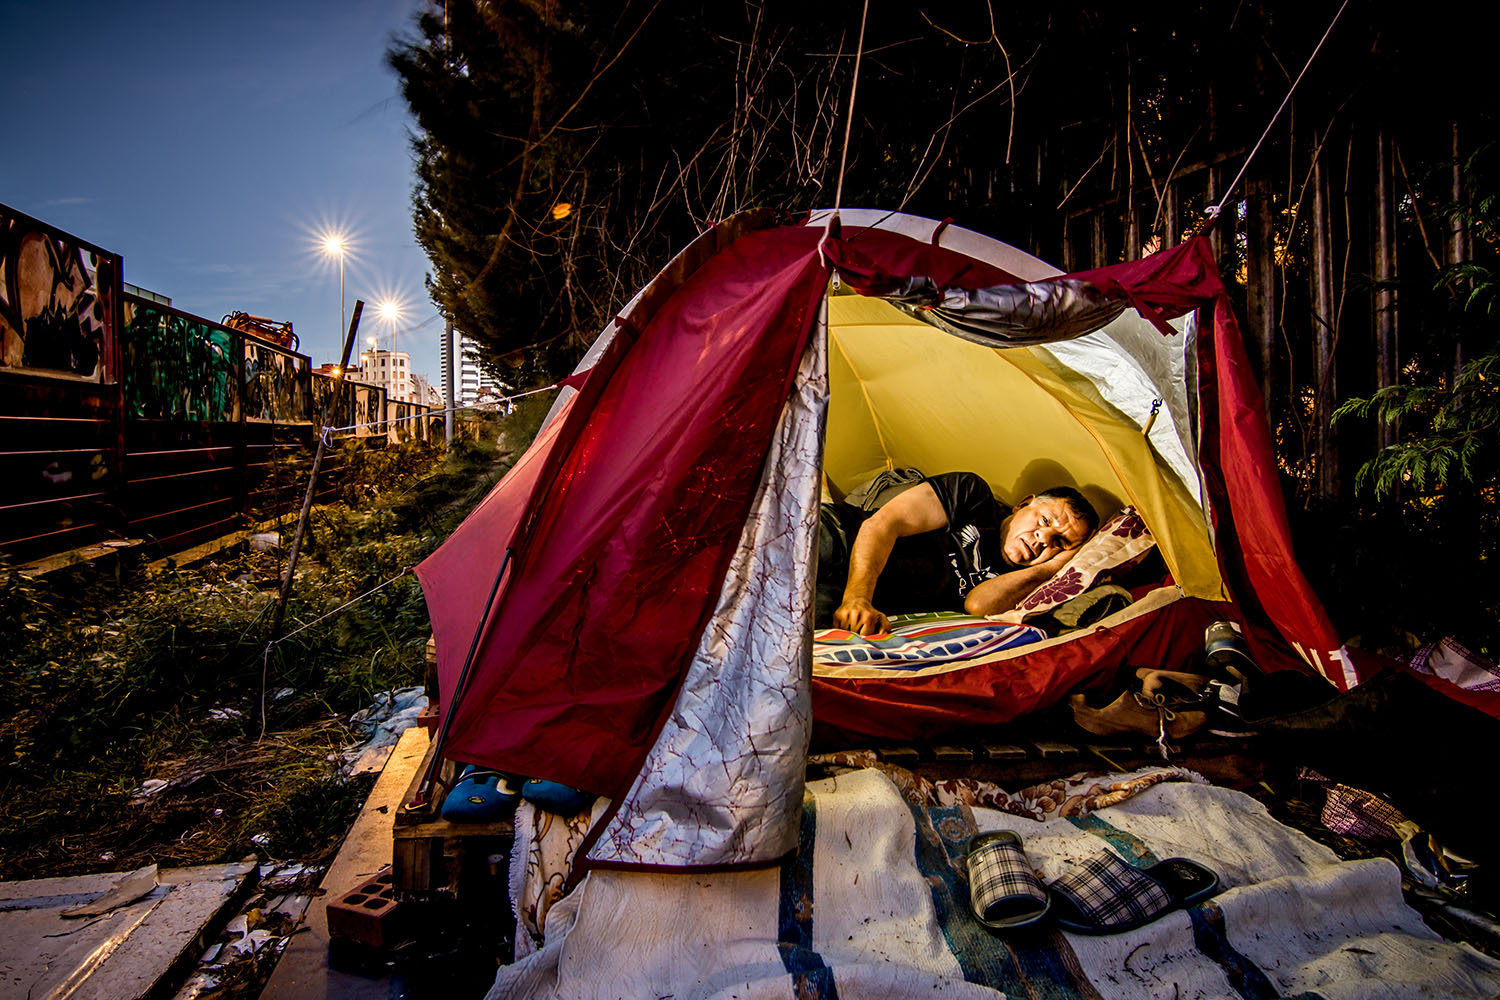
<point x="390" y="311"/>
<point x="335" y="245"/>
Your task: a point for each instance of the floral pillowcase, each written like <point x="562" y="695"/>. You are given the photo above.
<point x="1120" y="542"/>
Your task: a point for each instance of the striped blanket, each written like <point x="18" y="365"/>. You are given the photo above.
<point x="874" y="906"/>
<point x="917" y="641"/>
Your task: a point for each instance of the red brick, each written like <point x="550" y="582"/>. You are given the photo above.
<point x="367" y="914"/>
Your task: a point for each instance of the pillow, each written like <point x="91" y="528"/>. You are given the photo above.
<point x="1119" y="543"/>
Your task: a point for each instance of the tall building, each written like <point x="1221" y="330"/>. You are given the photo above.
<point x="389" y="369"/>
<point x="425" y="392"/>
<point x="474" y="383"/>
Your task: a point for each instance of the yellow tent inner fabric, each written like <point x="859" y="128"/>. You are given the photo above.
<point x="904" y="394"/>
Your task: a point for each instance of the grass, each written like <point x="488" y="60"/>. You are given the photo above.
<point x="118" y="678"/>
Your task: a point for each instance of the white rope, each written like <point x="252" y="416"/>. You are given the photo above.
<point x="265" y="663"/>
<point x="1213" y="213"/>
<point x="504" y="403"/>
<point x="838" y="193"/>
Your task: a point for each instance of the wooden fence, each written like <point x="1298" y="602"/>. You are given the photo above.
<point x="121" y="418"/>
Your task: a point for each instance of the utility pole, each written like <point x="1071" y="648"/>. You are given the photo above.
<point x="448" y="384"/>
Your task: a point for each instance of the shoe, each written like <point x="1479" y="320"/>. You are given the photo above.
<point x="1105" y="895"/>
<point x="1225" y="654"/>
<point x="1004" y="892"/>
<point x="1174" y="685"/>
<point x="1134" y="712"/>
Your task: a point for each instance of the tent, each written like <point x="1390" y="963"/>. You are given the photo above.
<point x="627" y="611"/>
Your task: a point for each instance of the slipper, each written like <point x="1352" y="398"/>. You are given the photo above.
<point x="1004" y="892"/>
<point x="555" y="797"/>
<point x="1105" y="895"/>
<point x="479" y="796"/>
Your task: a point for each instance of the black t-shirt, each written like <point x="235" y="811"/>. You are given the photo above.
<point x="933" y="571"/>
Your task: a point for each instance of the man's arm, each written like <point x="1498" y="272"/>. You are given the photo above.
<point x="1000" y="593"/>
<point x="910" y="513"/>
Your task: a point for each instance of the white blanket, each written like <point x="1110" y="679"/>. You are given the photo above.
<point x="874" y="906"/>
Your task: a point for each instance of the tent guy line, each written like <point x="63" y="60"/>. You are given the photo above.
<point x="1214" y="211"/>
<point x="265" y="663"/>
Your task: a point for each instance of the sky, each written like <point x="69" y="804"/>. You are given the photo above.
<point x="213" y="145"/>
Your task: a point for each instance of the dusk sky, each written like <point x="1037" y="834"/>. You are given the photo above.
<point x="211" y="144"/>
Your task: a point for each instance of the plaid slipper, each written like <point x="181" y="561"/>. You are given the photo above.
<point x="1004" y="892"/>
<point x="1104" y="895"/>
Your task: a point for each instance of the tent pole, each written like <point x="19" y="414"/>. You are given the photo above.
<point x="424" y="791"/>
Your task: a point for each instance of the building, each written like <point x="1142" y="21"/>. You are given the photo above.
<point x="474" y="383"/>
<point x="425" y="392"/>
<point x="389" y="369"/>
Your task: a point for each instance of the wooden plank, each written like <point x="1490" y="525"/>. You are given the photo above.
<point x="303" y="970"/>
<point x="137" y="949"/>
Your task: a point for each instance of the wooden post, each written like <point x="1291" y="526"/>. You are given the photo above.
<point x="1387" y="354"/>
<point x="1173" y="231"/>
<point x="312" y="488"/>
<point x="1260" y="278"/>
<point x="1325" y="386"/>
<point x="1456" y="246"/>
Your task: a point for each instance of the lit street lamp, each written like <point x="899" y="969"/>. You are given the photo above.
<point x="335" y="246"/>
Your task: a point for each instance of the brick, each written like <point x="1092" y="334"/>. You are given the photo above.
<point x="369" y="914"/>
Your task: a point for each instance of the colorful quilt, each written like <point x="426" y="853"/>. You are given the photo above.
<point x="917" y="641"/>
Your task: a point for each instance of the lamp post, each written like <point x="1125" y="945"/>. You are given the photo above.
<point x="390" y="312"/>
<point x="334" y="246"/>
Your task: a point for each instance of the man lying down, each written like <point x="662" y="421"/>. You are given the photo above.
<point x="945" y="544"/>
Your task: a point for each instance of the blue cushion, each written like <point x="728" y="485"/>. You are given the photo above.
<point x="555" y="798"/>
<point x="480" y="797"/>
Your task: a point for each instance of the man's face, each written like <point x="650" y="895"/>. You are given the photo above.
<point x="1037" y="530"/>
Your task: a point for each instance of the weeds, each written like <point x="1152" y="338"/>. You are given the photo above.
<point x="119" y="679"/>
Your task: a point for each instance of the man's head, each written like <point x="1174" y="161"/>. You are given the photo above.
<point x="1046" y="523"/>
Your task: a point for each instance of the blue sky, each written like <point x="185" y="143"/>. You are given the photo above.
<point x="209" y="143"/>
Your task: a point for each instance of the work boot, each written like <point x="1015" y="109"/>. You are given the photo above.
<point x="1134" y="712"/>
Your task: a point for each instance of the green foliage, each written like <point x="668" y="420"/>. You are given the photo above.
<point x="1451" y="431"/>
<point x="118" y="678"/>
<point x="1449" y="421"/>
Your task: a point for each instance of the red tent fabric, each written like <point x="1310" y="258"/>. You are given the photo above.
<point x="624" y="514"/>
<point x="631" y="527"/>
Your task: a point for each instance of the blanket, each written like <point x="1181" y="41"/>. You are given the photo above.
<point x="916" y="642"/>
<point x="874" y="905"/>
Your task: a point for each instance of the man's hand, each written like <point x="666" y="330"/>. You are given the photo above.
<point x="1057" y="561"/>
<point x="859" y="616"/>
<point x="1000" y="593"/>
<point x="910" y="513"/>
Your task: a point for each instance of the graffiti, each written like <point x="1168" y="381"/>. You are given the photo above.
<point x="341" y="412"/>
<point x="177" y="368"/>
<point x="56" y="300"/>
<point x="369" y="402"/>
<point x="278" y="385"/>
<point x="401" y="427"/>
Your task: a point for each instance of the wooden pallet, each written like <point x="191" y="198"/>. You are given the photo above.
<point x="1015" y="765"/>
<point x="430" y="854"/>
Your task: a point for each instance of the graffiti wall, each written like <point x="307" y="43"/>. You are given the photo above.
<point x="369" y="406"/>
<point x="278" y="384"/>
<point x="57" y="300"/>
<point x="340" y="393"/>
<point x="177" y="367"/>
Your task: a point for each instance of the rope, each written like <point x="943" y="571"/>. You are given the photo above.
<point x="1213" y="213"/>
<point x="831" y="230"/>
<point x="265" y="663"/>
<point x="505" y="404"/>
<point x="838" y="193"/>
